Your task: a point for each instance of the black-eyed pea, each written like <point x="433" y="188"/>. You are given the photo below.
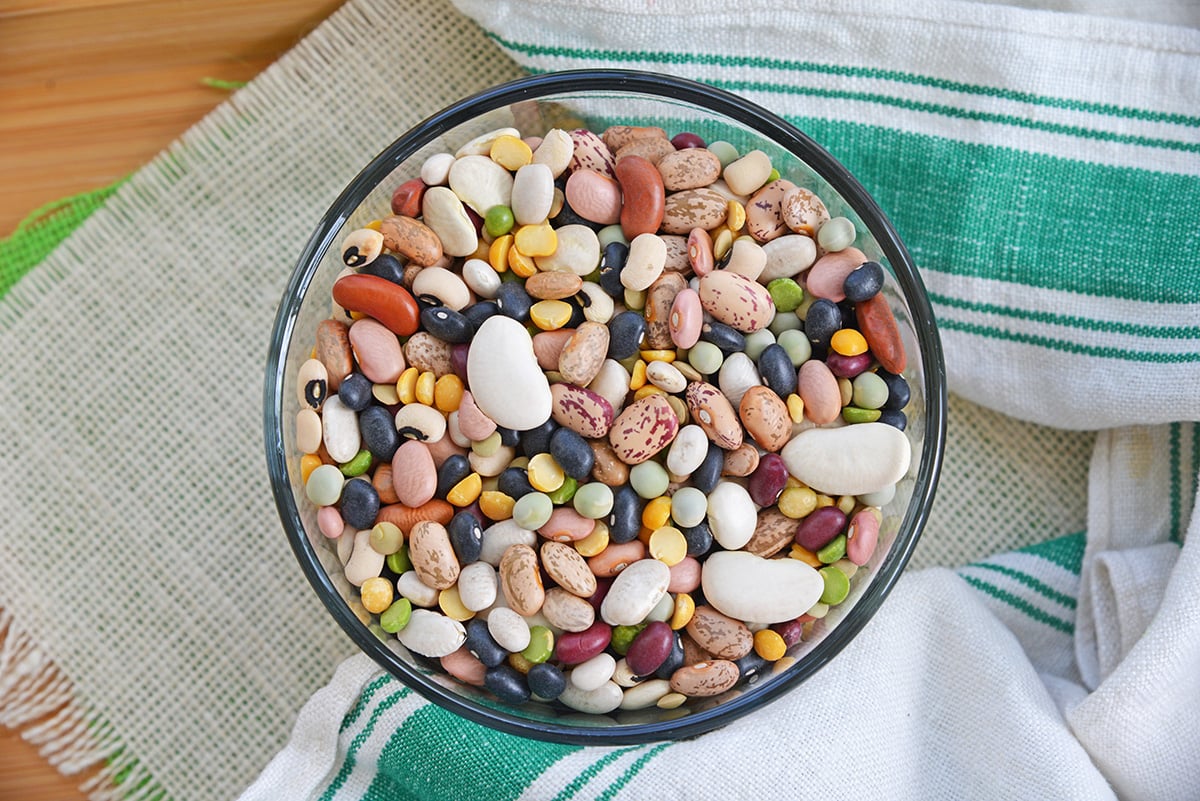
<point x="361" y="247"/>
<point x="420" y="422"/>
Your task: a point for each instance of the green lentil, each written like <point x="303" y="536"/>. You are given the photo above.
<point x="358" y="465"/>
<point x="396" y="616"/>
<point x="724" y="151"/>
<point x="649" y="479"/>
<point x="398" y="562"/>
<point x="566" y="492"/>
<point x="786" y="293"/>
<point x="593" y="500"/>
<point x="837" y="586"/>
<point x="797" y="345"/>
<point x="870" y="391"/>
<point x="498" y="221"/>
<point x="705" y="357"/>
<point x="854" y="414"/>
<point x="531" y="511"/>
<point x="834" y="550"/>
<point x="757" y="342"/>
<point x="541" y="645"/>
<point x="622" y="637"/>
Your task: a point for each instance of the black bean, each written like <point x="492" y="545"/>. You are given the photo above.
<point x="480" y="642"/>
<point x="453" y="470"/>
<point x="777" y="370"/>
<point x="506" y="684"/>
<point x="385" y="266"/>
<point x="514" y="301"/>
<point x="355" y="391"/>
<point x="706" y="476"/>
<point x="864" y="283"/>
<point x="725" y="337"/>
<point x="572" y="453"/>
<point x="546" y="680"/>
<point x="625" y="520"/>
<point x="379" y="435"/>
<point x="466" y="537"/>
<point x="625" y="331"/>
<point x="359" y="504"/>
<point x="447" y="325"/>
<point x="537" y="440"/>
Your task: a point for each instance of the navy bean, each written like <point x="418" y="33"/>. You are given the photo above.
<point x="706" y="476"/>
<point x="447" y="325"/>
<point x="725" y="337"/>
<point x="355" y="391"/>
<point x="379" y="435"/>
<point x="864" y="283"/>
<point x="546" y="680"/>
<point x="478" y="312"/>
<point x="674" y="660"/>
<point x="481" y="643"/>
<point x="699" y="538"/>
<point x="466" y="536"/>
<point x="823" y="320"/>
<point x="611" y="264"/>
<point x="360" y="503"/>
<point x="537" y="440"/>
<point x="898" y="390"/>
<point x="453" y="470"/>
<point x="514" y="301"/>
<point x="894" y="418"/>
<point x="777" y="370"/>
<point x="514" y="482"/>
<point x="506" y="684"/>
<point x="625" y="521"/>
<point x="385" y="266"/>
<point x="572" y="453"/>
<point x="625" y="331"/>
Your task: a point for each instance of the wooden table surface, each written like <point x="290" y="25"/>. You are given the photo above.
<point x="90" y="90"/>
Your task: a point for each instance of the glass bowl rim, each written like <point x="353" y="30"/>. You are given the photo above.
<point x="652" y="85"/>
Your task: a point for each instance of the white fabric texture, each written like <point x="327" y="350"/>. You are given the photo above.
<point x="152" y="608"/>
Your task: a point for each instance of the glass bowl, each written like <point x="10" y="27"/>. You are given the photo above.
<point x="597" y="98"/>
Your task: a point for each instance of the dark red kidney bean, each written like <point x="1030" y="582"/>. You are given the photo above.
<point x="848" y="366"/>
<point x="650" y="648"/>
<point x="686" y="139"/>
<point x="820" y="527"/>
<point x="790" y="631"/>
<point x="674" y="660"/>
<point x="768" y="479"/>
<point x="603" y="583"/>
<point x="575" y="647"/>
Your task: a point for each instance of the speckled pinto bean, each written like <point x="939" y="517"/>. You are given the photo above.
<point x="591" y="423"/>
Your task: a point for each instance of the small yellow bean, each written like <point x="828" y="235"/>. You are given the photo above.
<point x="656" y="513"/>
<point x="498" y="253"/>
<point x="668" y="545"/>
<point x="795" y="407"/>
<point x="647" y="390"/>
<point x="550" y="315"/>
<point x="637" y="376"/>
<point x="722" y="242"/>
<point x="667" y="356"/>
<point x="452" y="606"/>
<point x="797" y="502"/>
<point x="846" y="503"/>
<point x="510" y="152"/>
<point x="685" y="607"/>
<point x="376" y="594"/>
<point x="593" y="543"/>
<point x="735" y="216"/>
<point x="848" y="342"/>
<point x="406" y="385"/>
<point x="423" y="390"/>
<point x="447" y="393"/>
<point x="521" y="265"/>
<point x="495" y="505"/>
<point x="465" y="492"/>
<point x="308" y="463"/>
<point x="544" y="473"/>
<point x="769" y="645"/>
<point x="536" y="240"/>
<point x="806" y="556"/>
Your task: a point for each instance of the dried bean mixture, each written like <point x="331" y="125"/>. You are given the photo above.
<point x="603" y="419"/>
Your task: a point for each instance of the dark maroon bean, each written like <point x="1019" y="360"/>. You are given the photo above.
<point x="650" y="648"/>
<point x="820" y="528"/>
<point x="686" y="139"/>
<point x="848" y="366"/>
<point x="575" y="647"/>
<point x="768" y="479"/>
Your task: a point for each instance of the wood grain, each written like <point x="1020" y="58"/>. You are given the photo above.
<point x="90" y="90"/>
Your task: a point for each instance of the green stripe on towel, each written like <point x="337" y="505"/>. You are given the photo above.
<point x="1040" y="587"/>
<point x="1021" y="605"/>
<point x="487" y="764"/>
<point x="842" y="70"/>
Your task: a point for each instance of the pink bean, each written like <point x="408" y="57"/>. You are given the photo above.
<point x="862" y="536"/>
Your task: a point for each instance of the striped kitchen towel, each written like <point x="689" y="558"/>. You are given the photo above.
<point x="1044" y="170"/>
